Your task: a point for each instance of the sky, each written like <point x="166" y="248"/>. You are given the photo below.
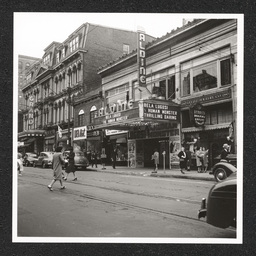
<point x="33" y="32"/>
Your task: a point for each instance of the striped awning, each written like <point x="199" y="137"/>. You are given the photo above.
<point x="206" y="128"/>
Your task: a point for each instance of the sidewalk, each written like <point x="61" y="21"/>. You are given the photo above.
<point x="173" y="173"/>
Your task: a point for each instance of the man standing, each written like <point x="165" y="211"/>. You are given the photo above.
<point x="114" y="154"/>
<point x="224" y="152"/>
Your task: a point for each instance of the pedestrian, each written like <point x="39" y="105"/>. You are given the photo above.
<point x="71" y="164"/>
<point x="224" y="152"/>
<point x="199" y="159"/>
<point x="103" y="160"/>
<point x="57" y="162"/>
<point x="20" y="164"/>
<point x="205" y="160"/>
<point x="183" y="157"/>
<point x="113" y="158"/>
<point x="155" y="157"/>
<point x="94" y="158"/>
<point x="88" y="154"/>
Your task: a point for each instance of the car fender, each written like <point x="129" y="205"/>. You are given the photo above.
<point x="226" y="165"/>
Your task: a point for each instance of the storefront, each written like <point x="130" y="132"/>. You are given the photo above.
<point x="49" y="140"/>
<point x="62" y="139"/>
<point x="143" y="126"/>
<point x="209" y="125"/>
<point x="32" y="141"/>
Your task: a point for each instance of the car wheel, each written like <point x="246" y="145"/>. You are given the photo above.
<point x="220" y="174"/>
<point x="44" y="165"/>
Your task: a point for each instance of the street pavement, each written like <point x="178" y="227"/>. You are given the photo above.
<point x="167" y="173"/>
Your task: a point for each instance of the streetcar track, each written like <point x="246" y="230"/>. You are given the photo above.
<point x="162" y="213"/>
<point x="131" y="192"/>
<point x="118" y="203"/>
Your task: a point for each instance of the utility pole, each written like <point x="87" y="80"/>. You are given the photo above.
<point x="69" y="102"/>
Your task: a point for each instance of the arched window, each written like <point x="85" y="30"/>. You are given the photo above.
<point x="81" y="121"/>
<point x="93" y="114"/>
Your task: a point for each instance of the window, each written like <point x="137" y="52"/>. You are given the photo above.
<point x="57" y="57"/>
<point x="93" y="114"/>
<point x="171" y="88"/>
<point x="63" y="53"/>
<point x="126" y="48"/>
<point x="185" y="83"/>
<point x="81" y="120"/>
<point x="225" y="70"/>
<point x="205" y="77"/>
<point x="73" y="45"/>
<point x="46" y="59"/>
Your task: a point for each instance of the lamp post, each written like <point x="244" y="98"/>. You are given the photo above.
<point x="69" y="90"/>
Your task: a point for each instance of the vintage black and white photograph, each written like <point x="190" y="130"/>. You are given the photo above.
<point x="128" y="128"/>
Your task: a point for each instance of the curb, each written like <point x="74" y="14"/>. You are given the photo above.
<point x="149" y="174"/>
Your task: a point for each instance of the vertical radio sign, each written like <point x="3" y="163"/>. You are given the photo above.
<point x="141" y="58"/>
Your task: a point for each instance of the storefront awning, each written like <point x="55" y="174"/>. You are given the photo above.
<point x="63" y="138"/>
<point x="27" y="142"/>
<point x="206" y="128"/>
<point x="31" y="133"/>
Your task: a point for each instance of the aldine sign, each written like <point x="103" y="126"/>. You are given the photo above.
<point x="160" y="111"/>
<point x="141" y="59"/>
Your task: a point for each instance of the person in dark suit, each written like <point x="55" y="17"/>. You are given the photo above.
<point x="113" y="157"/>
<point x="182" y="156"/>
<point x="224" y="152"/>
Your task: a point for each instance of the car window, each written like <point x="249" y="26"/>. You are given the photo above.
<point x="41" y="154"/>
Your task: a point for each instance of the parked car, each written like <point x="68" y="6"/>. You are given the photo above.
<point x="231" y="158"/>
<point x="80" y="160"/>
<point x="29" y="159"/>
<point x="220" y="207"/>
<point x="222" y="170"/>
<point x="44" y="159"/>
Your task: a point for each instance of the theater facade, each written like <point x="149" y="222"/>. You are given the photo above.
<point x="175" y="90"/>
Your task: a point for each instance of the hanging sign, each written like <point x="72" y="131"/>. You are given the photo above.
<point x="197" y="114"/>
<point x="31" y="111"/>
<point x="80" y="133"/>
<point x="141" y="58"/>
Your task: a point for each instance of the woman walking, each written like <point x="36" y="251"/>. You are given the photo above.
<point x="71" y="164"/>
<point x="57" y="162"/>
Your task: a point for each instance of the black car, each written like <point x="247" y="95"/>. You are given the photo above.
<point x="220" y="207"/>
<point x="222" y="170"/>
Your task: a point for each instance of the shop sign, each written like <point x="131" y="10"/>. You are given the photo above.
<point x="116" y="107"/>
<point x="141" y="58"/>
<point x="80" y="133"/>
<point x="208" y="98"/>
<point x="197" y="114"/>
<point x="91" y="134"/>
<point x="113" y="132"/>
<point x="160" y="111"/>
